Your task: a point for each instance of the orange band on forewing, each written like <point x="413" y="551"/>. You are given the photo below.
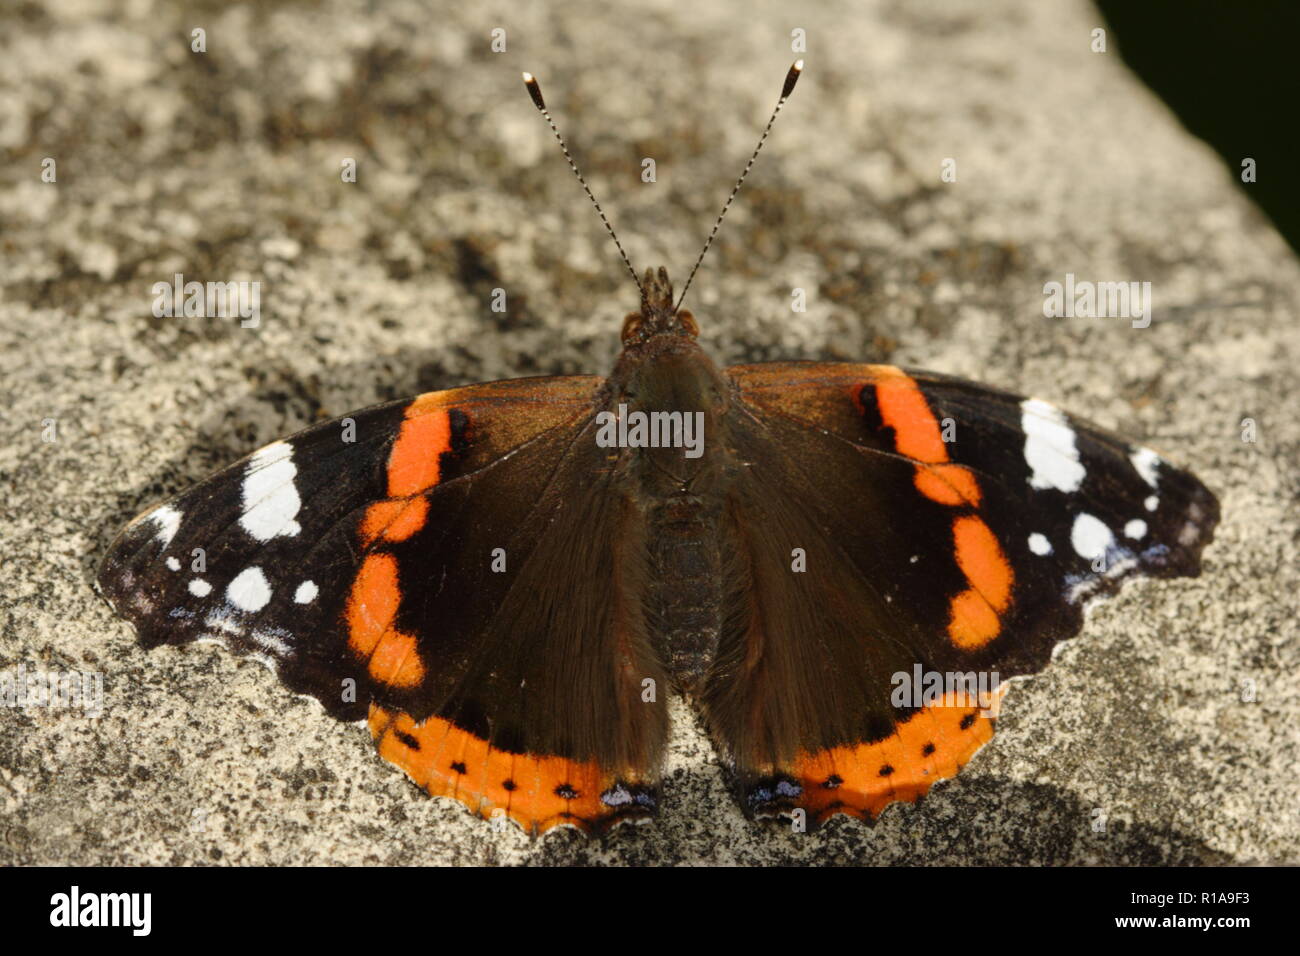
<point x="904" y="409"/>
<point x="372" y="605"/>
<point x="396" y="661"/>
<point x="537" y="792"/>
<point x="414" y="464"/>
<point x="972" y="623"/>
<point x="917" y="436"/>
<point x="981" y="559"/>
<point x="392" y="656"/>
<point x="950" y="485"/>
<point x="973" y="614"/>
<point x="862" y="780"/>
<point x="394" y="520"/>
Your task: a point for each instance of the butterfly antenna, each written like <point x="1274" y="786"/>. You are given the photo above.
<point x="535" y="91"/>
<point x="791" y="79"/>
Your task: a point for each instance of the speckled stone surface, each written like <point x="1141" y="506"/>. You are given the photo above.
<point x="225" y="165"/>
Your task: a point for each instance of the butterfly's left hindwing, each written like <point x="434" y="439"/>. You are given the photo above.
<point x="945" y="527"/>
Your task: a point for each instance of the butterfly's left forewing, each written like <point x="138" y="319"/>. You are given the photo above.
<point x="914" y="525"/>
<point x="383" y="563"/>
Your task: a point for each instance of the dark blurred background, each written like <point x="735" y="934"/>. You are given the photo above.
<point x="1229" y="71"/>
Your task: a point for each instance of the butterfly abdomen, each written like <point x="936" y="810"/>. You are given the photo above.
<point x="684" y="598"/>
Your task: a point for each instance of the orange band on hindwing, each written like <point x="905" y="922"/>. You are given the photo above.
<point x="537" y="792"/>
<point x="932" y="745"/>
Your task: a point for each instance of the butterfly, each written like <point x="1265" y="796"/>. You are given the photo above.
<point x="507" y="581"/>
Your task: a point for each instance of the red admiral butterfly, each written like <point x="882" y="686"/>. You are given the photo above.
<point x="505" y="579"/>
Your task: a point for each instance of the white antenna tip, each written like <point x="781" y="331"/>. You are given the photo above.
<point x="792" y="78"/>
<point x="535" y="91"/>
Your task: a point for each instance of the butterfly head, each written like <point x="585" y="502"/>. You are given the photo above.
<point x="657" y="315"/>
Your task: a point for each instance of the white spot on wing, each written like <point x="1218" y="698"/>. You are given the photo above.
<point x="1039" y="544"/>
<point x="1049" y="447"/>
<point x="1083" y="588"/>
<point x="168" y="521"/>
<point x="173" y="564"/>
<point x="1151" y="503"/>
<point x="270" y="497"/>
<point x="217" y="620"/>
<point x="200" y="588"/>
<point x="1135" y="529"/>
<point x="1090" y="537"/>
<point x="271" y="642"/>
<point x="249" y="591"/>
<point x="1145" y="461"/>
<point x="306" y="592"/>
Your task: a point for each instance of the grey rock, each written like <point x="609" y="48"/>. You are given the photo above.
<point x="226" y="165"/>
